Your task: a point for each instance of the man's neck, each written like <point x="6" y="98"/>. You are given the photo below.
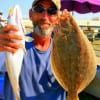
<point x="41" y="43"/>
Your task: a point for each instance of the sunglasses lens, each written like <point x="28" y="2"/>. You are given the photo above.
<point x="39" y="9"/>
<point x="52" y="10"/>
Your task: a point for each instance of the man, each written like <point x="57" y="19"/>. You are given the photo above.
<point x="36" y="79"/>
<point x="1" y="20"/>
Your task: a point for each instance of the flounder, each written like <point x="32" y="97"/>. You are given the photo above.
<point x="73" y="60"/>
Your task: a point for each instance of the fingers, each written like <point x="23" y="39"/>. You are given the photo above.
<point x="7" y="45"/>
<point x="7" y="34"/>
<point x="10" y="35"/>
<point x="8" y="49"/>
<point x="65" y="14"/>
<point x="10" y="27"/>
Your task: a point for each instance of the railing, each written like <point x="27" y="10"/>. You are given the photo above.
<point x="96" y="46"/>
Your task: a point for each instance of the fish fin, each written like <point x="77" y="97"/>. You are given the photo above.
<point x="72" y="96"/>
<point x="24" y="49"/>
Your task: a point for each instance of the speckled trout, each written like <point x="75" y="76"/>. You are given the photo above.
<point x="14" y="60"/>
<point x="73" y="60"/>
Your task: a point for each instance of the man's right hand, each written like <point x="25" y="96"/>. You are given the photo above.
<point x="7" y="34"/>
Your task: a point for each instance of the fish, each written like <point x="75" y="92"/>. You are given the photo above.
<point x="14" y="60"/>
<point x="73" y="60"/>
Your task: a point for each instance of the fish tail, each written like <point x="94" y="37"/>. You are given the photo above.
<point x="73" y="96"/>
<point x="13" y="80"/>
<point x="17" y="96"/>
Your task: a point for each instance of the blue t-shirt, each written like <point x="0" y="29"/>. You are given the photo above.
<point x="36" y="79"/>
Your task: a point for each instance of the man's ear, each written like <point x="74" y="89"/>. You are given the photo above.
<point x="30" y="14"/>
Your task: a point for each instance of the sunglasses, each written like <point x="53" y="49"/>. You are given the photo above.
<point x="41" y="9"/>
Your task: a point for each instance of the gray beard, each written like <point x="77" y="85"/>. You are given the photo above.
<point x="43" y="32"/>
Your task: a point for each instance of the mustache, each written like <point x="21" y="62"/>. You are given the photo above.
<point x="43" y="21"/>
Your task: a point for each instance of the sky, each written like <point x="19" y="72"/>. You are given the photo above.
<point x="26" y="4"/>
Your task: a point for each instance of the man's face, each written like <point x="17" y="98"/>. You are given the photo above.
<point x="44" y="16"/>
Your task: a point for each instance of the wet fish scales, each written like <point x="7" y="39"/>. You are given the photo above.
<point x="73" y="60"/>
